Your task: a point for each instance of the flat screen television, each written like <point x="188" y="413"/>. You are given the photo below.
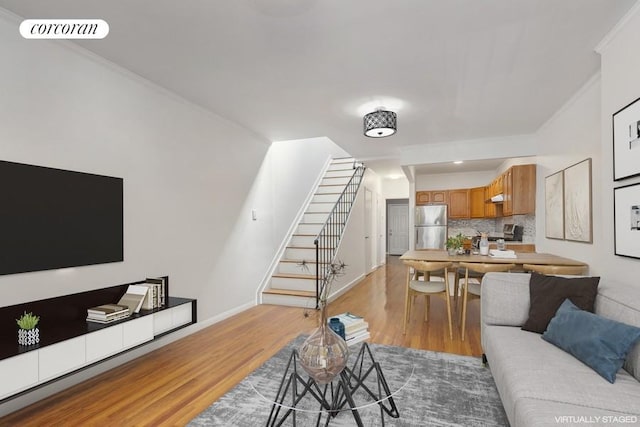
<point x="53" y="218"/>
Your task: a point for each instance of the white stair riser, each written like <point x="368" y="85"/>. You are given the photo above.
<point x="320" y="207"/>
<point x="341" y="164"/>
<point x="302" y="241"/>
<point x="335" y="181"/>
<point x="326" y="198"/>
<point x="339" y="172"/>
<point x="308" y="228"/>
<point x="296" y="268"/>
<point x="315" y="217"/>
<point x="330" y="189"/>
<point x="293" y="284"/>
<point x="289" y="300"/>
<point x="300" y="254"/>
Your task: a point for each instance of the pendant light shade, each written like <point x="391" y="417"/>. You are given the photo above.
<point x="380" y="123"/>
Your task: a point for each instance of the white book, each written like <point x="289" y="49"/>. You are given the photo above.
<point x="502" y="254"/>
<point x="134" y="297"/>
<point x="355" y="332"/>
<point x="359" y="338"/>
<point x="147" y="303"/>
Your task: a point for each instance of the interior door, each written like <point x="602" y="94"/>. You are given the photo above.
<point x="398" y="229"/>
<point x="369" y="241"/>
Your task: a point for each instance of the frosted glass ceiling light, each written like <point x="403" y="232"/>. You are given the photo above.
<point x="380" y="123"/>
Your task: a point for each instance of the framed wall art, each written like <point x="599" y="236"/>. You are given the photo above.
<point x="626" y="141"/>
<point x="626" y="208"/>
<point x="554" y="205"/>
<point x="577" y="202"/>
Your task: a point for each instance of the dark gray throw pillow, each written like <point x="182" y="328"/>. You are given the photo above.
<point x="547" y="293"/>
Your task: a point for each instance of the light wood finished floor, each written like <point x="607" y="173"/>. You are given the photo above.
<point x="200" y="368"/>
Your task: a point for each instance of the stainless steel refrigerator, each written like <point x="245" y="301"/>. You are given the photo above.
<point x="431" y="227"/>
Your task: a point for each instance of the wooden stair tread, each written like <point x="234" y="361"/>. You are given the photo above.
<point x="289" y="292"/>
<point x="299" y="261"/>
<point x="295" y="276"/>
<point x="312" y="235"/>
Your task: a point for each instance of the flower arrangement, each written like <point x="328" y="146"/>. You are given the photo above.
<point x="455" y="243"/>
<point x="28" y="321"/>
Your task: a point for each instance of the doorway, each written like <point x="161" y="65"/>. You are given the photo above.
<point x="397" y="226"/>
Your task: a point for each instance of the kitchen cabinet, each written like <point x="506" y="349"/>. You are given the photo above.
<point x="426" y="197"/>
<point x="507" y="183"/>
<point x="519" y="187"/>
<point x="459" y="203"/>
<point x="490" y="210"/>
<point x="477" y="203"/>
<point x="495" y="187"/>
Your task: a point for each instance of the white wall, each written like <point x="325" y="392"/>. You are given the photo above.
<point x="187" y="173"/>
<point x="451" y="181"/>
<point x="570" y="136"/>
<point x="395" y="188"/>
<point x="294" y="168"/>
<point x="620" y="86"/>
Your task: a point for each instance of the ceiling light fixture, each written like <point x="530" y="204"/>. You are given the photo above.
<point x="458" y="162"/>
<point x="380" y="123"/>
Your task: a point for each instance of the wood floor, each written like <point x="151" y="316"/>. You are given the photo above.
<point x="200" y="368"/>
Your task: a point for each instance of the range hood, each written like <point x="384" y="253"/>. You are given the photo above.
<point x="498" y="198"/>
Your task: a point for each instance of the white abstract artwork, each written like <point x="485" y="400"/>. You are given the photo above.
<point x="577" y="202"/>
<point x="627" y="220"/>
<point x="626" y="141"/>
<point x="554" y="205"/>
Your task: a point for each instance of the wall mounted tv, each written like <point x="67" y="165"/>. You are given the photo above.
<point x="53" y="218"/>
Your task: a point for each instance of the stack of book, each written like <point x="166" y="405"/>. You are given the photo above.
<point x="107" y="313"/>
<point x="356" y="329"/>
<point x="155" y="296"/>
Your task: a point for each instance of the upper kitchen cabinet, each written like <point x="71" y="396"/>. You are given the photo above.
<point x="427" y="197"/>
<point x="519" y="188"/>
<point x="477" y="199"/>
<point x="490" y="210"/>
<point x="495" y="187"/>
<point x="459" y="203"/>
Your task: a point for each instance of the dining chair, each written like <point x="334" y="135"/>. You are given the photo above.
<point x="426" y="287"/>
<point x="556" y="269"/>
<point x="472" y="290"/>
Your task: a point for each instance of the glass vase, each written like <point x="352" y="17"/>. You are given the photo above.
<point x="324" y="354"/>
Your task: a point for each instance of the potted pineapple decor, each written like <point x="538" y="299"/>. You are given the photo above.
<point x="28" y="334"/>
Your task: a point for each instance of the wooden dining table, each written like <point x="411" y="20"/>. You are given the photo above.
<point x="521" y="258"/>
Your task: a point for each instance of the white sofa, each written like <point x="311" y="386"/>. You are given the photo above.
<point x="542" y="385"/>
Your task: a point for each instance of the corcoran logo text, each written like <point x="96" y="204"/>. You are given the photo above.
<point x="64" y="29"/>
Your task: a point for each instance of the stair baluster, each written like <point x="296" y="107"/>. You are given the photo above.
<point x="327" y="240"/>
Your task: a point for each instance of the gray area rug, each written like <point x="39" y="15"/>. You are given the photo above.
<point x="429" y="389"/>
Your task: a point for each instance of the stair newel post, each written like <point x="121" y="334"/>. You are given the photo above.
<point x="317" y="273"/>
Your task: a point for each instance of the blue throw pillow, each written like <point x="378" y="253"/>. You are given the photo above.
<point x="602" y="344"/>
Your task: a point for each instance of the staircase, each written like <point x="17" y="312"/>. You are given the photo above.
<point x="294" y="281"/>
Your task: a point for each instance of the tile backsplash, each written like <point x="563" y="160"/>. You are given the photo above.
<point x="485" y="225"/>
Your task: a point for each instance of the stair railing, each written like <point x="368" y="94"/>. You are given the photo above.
<point x="327" y="240"/>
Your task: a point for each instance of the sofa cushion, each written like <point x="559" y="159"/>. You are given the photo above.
<point x="548" y="292"/>
<point x="622" y="303"/>
<point x="600" y="343"/>
<point x="525" y="366"/>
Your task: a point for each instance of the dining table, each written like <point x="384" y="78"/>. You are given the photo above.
<point x="520" y="259"/>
